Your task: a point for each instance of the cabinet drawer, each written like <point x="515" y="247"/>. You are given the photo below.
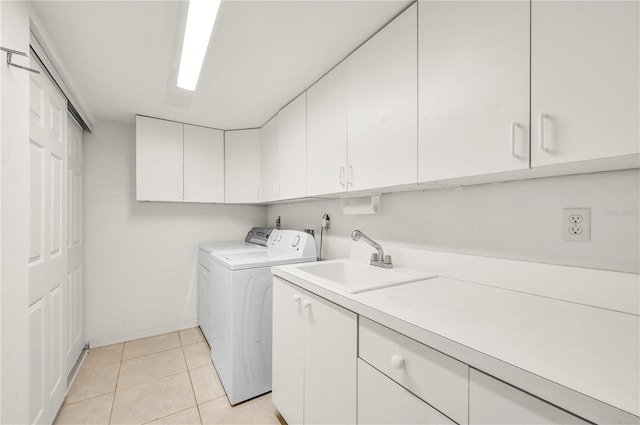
<point x="438" y="379"/>
<point x="492" y="401"/>
<point x="382" y="401"/>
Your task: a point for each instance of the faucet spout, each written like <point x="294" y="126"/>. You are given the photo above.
<point x="378" y="259"/>
<point x="357" y="235"/>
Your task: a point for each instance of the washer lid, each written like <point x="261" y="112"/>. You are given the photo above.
<point x="264" y="258"/>
<point x="228" y="247"/>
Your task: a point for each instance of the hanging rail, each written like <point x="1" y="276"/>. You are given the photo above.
<point x="10" y="53"/>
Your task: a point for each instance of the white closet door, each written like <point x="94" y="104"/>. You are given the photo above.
<point x="48" y="249"/>
<point x="75" y="247"/>
<point x="203" y="164"/>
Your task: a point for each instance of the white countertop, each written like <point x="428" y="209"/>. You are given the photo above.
<point x="584" y="359"/>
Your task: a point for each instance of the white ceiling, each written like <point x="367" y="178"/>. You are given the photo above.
<point x="122" y="56"/>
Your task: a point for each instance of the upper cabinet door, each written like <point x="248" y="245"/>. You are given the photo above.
<point x="269" y="160"/>
<point x="382" y="111"/>
<point x="159" y="164"/>
<point x="292" y="149"/>
<point x="473" y="62"/>
<point x="584" y="80"/>
<point x="242" y="166"/>
<point x="203" y="164"/>
<point x="327" y="133"/>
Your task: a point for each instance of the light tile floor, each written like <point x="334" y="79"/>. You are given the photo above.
<point x="165" y="379"/>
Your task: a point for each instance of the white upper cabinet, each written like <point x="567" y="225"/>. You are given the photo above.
<point x="584" y="80"/>
<point x="473" y="62"/>
<point x="292" y="149"/>
<point x="269" y="160"/>
<point x="382" y="107"/>
<point x="178" y="162"/>
<point x="327" y="133"/>
<point x="159" y="161"/>
<point x="242" y="166"/>
<point x="203" y="164"/>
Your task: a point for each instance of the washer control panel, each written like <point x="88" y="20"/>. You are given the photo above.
<point x="292" y="241"/>
<point x="259" y="235"/>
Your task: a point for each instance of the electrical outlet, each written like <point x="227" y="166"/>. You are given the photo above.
<point x="576" y="224"/>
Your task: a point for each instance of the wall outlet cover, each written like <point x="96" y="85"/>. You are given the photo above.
<point x="576" y="224"/>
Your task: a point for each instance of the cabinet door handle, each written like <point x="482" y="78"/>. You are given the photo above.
<point x="514" y="126"/>
<point x="342" y="176"/>
<point x="296" y="298"/>
<point x="541" y="119"/>
<point x="306" y="303"/>
<point x="397" y="361"/>
<point x="349" y="175"/>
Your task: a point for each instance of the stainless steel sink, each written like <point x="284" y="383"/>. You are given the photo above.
<point x="353" y="277"/>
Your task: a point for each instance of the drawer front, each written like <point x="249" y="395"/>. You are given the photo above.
<point x="492" y="401"/>
<point x="382" y="401"/>
<point x="438" y="379"/>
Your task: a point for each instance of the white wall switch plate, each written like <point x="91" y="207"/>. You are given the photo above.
<point x="576" y="224"/>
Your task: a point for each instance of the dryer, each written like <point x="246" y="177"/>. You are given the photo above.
<point x="238" y="292"/>
<point x="255" y="240"/>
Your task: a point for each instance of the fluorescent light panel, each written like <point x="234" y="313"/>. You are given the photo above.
<point x="200" y="20"/>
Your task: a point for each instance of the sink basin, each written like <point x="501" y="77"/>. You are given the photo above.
<point x="354" y="277"/>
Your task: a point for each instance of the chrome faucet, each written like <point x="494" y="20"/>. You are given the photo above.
<point x="377" y="259"/>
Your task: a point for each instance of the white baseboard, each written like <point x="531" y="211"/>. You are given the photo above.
<point x="100" y="342"/>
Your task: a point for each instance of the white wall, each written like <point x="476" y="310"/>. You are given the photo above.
<point x="517" y="220"/>
<point x="140" y="257"/>
<point x="15" y="218"/>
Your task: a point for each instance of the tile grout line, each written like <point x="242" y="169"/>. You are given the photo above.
<point x="193" y="390"/>
<point x="115" y="390"/>
<point x="170" y="414"/>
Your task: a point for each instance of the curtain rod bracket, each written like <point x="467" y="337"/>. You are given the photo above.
<point x="10" y="53"/>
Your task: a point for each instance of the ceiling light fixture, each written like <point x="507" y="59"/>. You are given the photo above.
<point x="200" y="20"/>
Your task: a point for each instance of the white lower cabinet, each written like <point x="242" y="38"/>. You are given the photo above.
<point x="494" y="402"/>
<point x="436" y="378"/>
<point x="314" y="358"/>
<point x="383" y="401"/>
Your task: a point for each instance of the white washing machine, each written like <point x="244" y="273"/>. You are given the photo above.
<point x="238" y="296"/>
<point x="255" y="240"/>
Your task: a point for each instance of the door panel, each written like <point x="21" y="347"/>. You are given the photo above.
<point x="48" y="253"/>
<point x="74" y="285"/>
<point x="36" y="359"/>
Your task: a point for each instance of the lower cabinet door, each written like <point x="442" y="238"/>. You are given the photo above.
<point x="383" y="401"/>
<point x="330" y="356"/>
<point x="494" y="402"/>
<point x="288" y="352"/>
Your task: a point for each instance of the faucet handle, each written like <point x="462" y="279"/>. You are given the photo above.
<point x="374" y="257"/>
<point x="387" y="259"/>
